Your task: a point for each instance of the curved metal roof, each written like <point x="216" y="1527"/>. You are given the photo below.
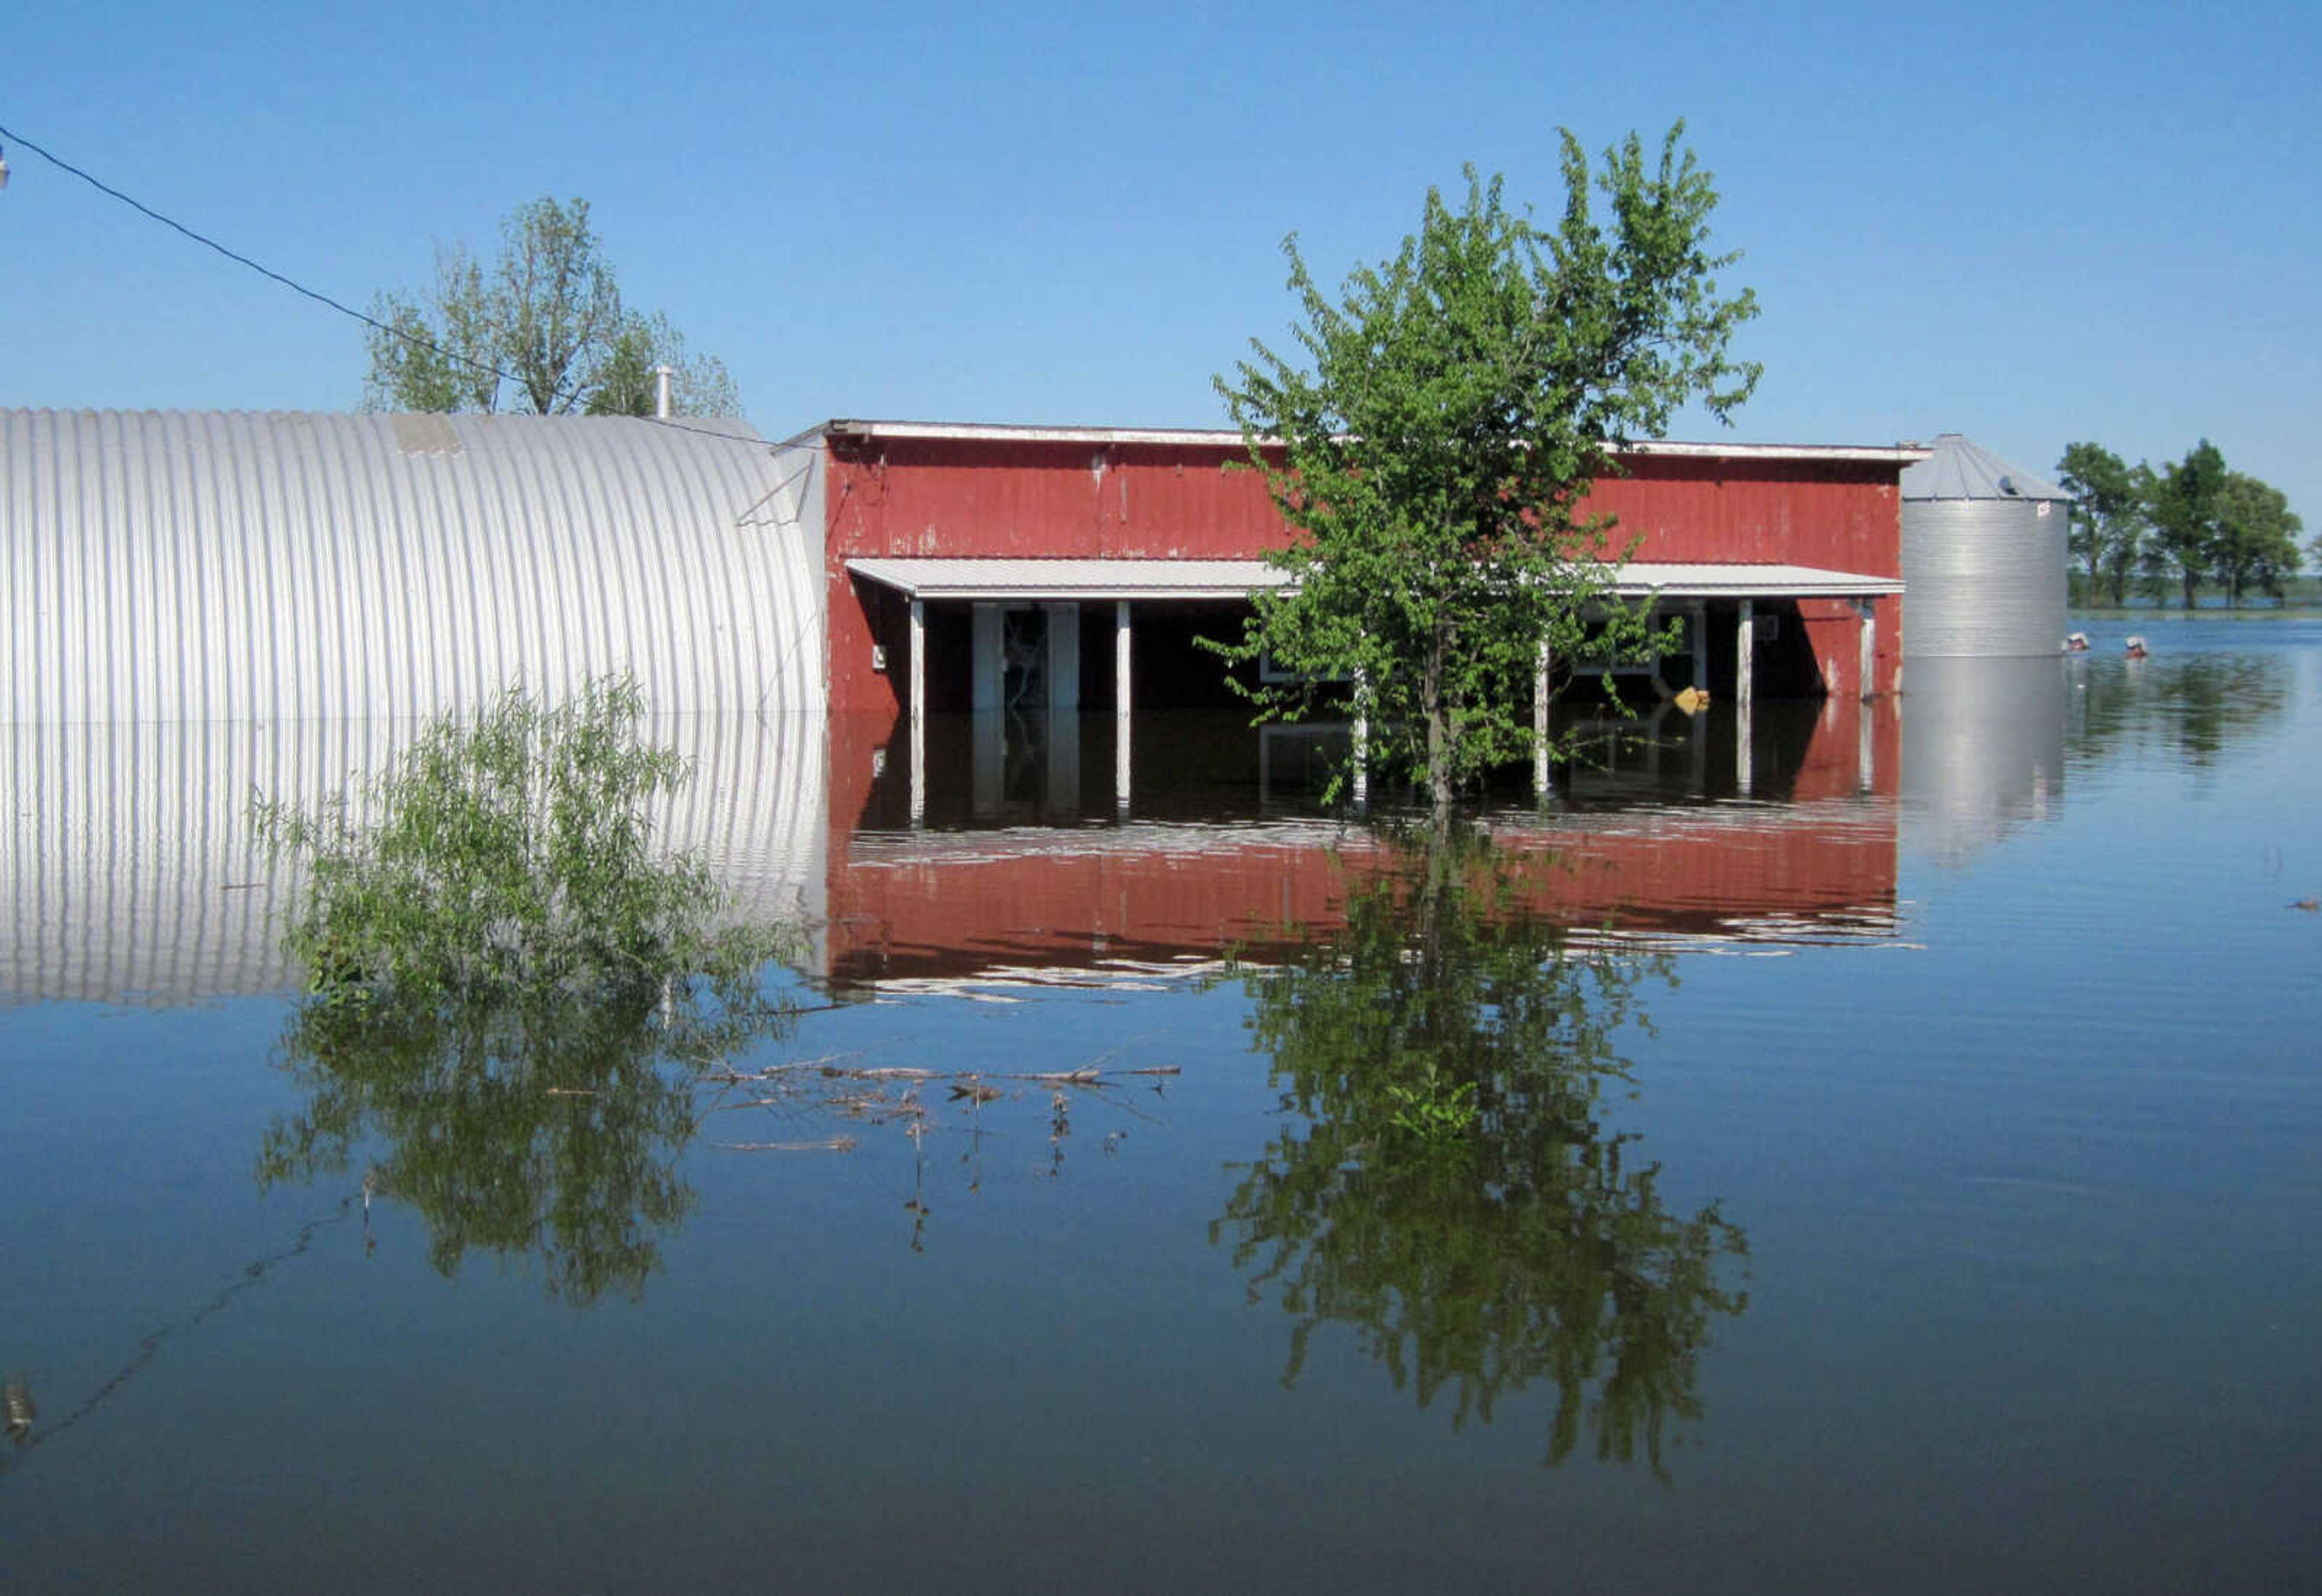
<point x="199" y="566"/>
<point x="1959" y="468"/>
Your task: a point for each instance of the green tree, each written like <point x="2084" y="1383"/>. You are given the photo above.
<point x="443" y="357"/>
<point x="2108" y="516"/>
<point x="2186" y="508"/>
<point x="1463" y="396"/>
<point x="2257" y="537"/>
<point x="699" y="385"/>
<point x="547" y="320"/>
<point x="1444" y="1184"/>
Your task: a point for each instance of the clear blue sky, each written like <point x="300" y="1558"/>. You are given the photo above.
<point x="2030" y="223"/>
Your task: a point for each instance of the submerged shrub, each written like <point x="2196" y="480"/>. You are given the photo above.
<point x="510" y="847"/>
<point x="504" y="1018"/>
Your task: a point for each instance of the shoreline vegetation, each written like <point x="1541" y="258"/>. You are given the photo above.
<point x="2156" y="611"/>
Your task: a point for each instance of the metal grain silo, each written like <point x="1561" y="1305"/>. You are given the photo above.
<point x="1985" y="545"/>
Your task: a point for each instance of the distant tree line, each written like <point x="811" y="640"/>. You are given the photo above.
<point x="542" y="330"/>
<point x="2190" y="524"/>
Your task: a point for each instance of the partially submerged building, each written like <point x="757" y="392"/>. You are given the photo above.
<point x="193" y="605"/>
<point x="1073" y="570"/>
<point x="197" y="606"/>
<point x="168" y="566"/>
<point x="1089" y="558"/>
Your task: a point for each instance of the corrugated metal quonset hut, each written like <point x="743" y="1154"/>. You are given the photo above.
<point x="215" y="566"/>
<point x="1985" y="545"/>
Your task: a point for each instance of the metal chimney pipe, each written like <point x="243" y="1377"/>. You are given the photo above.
<point x="662" y="376"/>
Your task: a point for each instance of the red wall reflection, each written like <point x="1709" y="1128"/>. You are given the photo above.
<point x="922" y="905"/>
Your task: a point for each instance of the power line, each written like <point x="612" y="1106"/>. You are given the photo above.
<point x="207" y="243"/>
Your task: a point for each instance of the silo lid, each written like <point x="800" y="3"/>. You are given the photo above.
<point x="1962" y="468"/>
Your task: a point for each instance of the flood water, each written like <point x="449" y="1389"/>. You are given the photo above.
<point x="1869" y="1153"/>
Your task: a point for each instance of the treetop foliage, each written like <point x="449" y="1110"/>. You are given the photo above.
<point x="1438" y="423"/>
<point x="544" y="327"/>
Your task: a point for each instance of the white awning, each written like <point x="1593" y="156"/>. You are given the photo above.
<point x="1026" y="580"/>
<point x="1712" y="581"/>
<point x="1070" y="578"/>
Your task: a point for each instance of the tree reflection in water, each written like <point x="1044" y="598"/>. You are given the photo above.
<point x="532" y="1122"/>
<point x="1448" y="1187"/>
<point x="2197" y="704"/>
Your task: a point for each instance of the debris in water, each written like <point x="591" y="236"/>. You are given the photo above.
<point x="16" y="1404"/>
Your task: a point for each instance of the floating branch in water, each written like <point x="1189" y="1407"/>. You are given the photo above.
<point x="1087" y="1075"/>
<point x="16" y="1405"/>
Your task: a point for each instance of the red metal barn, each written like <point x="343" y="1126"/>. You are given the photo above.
<point x="1117" y="547"/>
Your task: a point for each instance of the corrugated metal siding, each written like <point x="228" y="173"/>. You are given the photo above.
<point x="982" y="499"/>
<point x="129" y="870"/>
<point x="189" y="566"/>
<point x="1984" y="577"/>
<point x="1834" y="515"/>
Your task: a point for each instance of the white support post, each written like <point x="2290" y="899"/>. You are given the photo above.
<point x="1869" y="611"/>
<point x="1866" y="749"/>
<point x="1539" y="723"/>
<point x="918" y="712"/>
<point x="1362" y="743"/>
<point x="1745" y="647"/>
<point x="1122" y="698"/>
